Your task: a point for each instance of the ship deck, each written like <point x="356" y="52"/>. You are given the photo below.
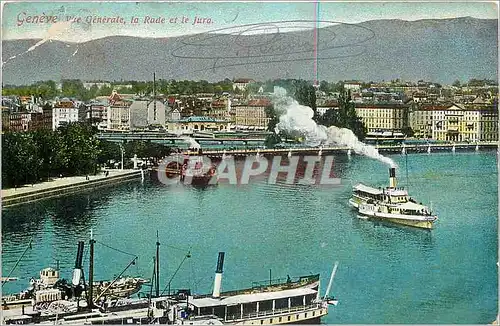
<point x="251" y="297"/>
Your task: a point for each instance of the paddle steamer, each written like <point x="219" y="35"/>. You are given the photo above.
<point x="391" y="204"/>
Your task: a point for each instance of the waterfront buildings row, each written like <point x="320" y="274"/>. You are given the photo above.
<point x="424" y="109"/>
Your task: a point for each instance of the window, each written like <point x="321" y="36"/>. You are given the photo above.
<point x="281" y="318"/>
<point x="262" y="321"/>
<point x="289" y="317"/>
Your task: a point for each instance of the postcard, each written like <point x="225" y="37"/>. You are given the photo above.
<point x="250" y="163"/>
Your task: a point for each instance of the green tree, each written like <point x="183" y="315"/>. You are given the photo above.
<point x="305" y="94"/>
<point x="324" y="86"/>
<point x="80" y="148"/>
<point x="108" y="151"/>
<point x="20" y="161"/>
<point x="347" y="117"/>
<point x="456" y="83"/>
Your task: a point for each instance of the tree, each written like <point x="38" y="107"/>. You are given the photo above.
<point x="305" y="94"/>
<point x="329" y="118"/>
<point x="80" y="147"/>
<point x="324" y="86"/>
<point x="408" y="131"/>
<point x="108" y="151"/>
<point x="347" y="115"/>
<point x="456" y="83"/>
<point x="273" y="138"/>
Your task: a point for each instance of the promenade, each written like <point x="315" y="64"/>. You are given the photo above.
<point x="62" y="186"/>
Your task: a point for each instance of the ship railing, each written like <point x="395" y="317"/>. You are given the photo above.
<point x="276" y="311"/>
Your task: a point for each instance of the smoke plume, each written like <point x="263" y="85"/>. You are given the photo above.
<point x="297" y="120"/>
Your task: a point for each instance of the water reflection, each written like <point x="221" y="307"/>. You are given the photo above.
<point x="386" y="235"/>
<point x="73" y="213"/>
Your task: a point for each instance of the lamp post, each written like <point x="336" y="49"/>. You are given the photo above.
<point x="122" y="150"/>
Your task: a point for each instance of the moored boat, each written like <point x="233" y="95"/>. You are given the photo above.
<point x="185" y="169"/>
<point x="265" y="303"/>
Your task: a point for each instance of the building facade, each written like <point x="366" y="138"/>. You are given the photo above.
<point x="252" y="115"/>
<point x="197" y="123"/>
<point x="383" y="117"/>
<point x="64" y="111"/>
<point x="118" y="112"/>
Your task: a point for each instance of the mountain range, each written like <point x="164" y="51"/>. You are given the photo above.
<point x="440" y="50"/>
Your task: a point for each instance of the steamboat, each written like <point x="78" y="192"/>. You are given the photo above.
<point x="391" y="204"/>
<point x="182" y="168"/>
<point x="265" y="303"/>
<point x="49" y="289"/>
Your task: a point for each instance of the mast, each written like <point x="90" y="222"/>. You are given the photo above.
<point x="91" y="271"/>
<point x="116" y="278"/>
<point x="154" y="96"/>
<point x="157" y="265"/>
<point x="407" y="179"/>
<point x="17" y="262"/>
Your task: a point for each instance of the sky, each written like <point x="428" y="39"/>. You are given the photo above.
<point x="29" y="19"/>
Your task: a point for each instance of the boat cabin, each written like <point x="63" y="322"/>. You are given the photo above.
<point x="49" y="276"/>
<point x="387" y="195"/>
<point x="251" y="305"/>
<point x="365" y="192"/>
<point x="395" y="195"/>
<point x="410" y="208"/>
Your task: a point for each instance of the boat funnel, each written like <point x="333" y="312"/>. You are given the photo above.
<point x="77" y="271"/>
<point x="392" y="177"/>
<point x="218" y="276"/>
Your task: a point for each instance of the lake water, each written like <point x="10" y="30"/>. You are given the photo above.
<point x="386" y="274"/>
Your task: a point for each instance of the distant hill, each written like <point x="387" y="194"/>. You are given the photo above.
<point x="440" y="50"/>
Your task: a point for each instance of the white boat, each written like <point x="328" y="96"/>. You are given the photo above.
<point x="392" y="204"/>
<point x="409" y="213"/>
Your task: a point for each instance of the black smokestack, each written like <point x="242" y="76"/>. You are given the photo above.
<point x="79" y="255"/>
<point x="392" y="172"/>
<point x="220" y="263"/>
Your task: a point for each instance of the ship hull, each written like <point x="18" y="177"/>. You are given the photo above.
<point x="418" y="223"/>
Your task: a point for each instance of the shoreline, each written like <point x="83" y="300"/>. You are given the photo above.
<point x="64" y="186"/>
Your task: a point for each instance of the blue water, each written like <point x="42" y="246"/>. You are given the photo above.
<point x="387" y="273"/>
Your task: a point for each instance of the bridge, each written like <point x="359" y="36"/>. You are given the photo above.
<point x="418" y="148"/>
<point x="174" y="139"/>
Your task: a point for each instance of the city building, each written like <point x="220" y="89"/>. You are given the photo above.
<point x="421" y="121"/>
<point x="197" y="123"/>
<point x="488" y="123"/>
<point x="242" y="83"/>
<point x="64" y="111"/>
<point x="456" y="123"/>
<point x="5" y="118"/>
<point x="324" y="106"/>
<point x="383" y="117"/>
<point x="19" y="121"/>
<point x="89" y="85"/>
<point x="220" y="108"/>
<point x="252" y="115"/>
<point x="144" y="113"/>
<point x="97" y="113"/>
<point x="118" y="112"/>
<point x="353" y="86"/>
